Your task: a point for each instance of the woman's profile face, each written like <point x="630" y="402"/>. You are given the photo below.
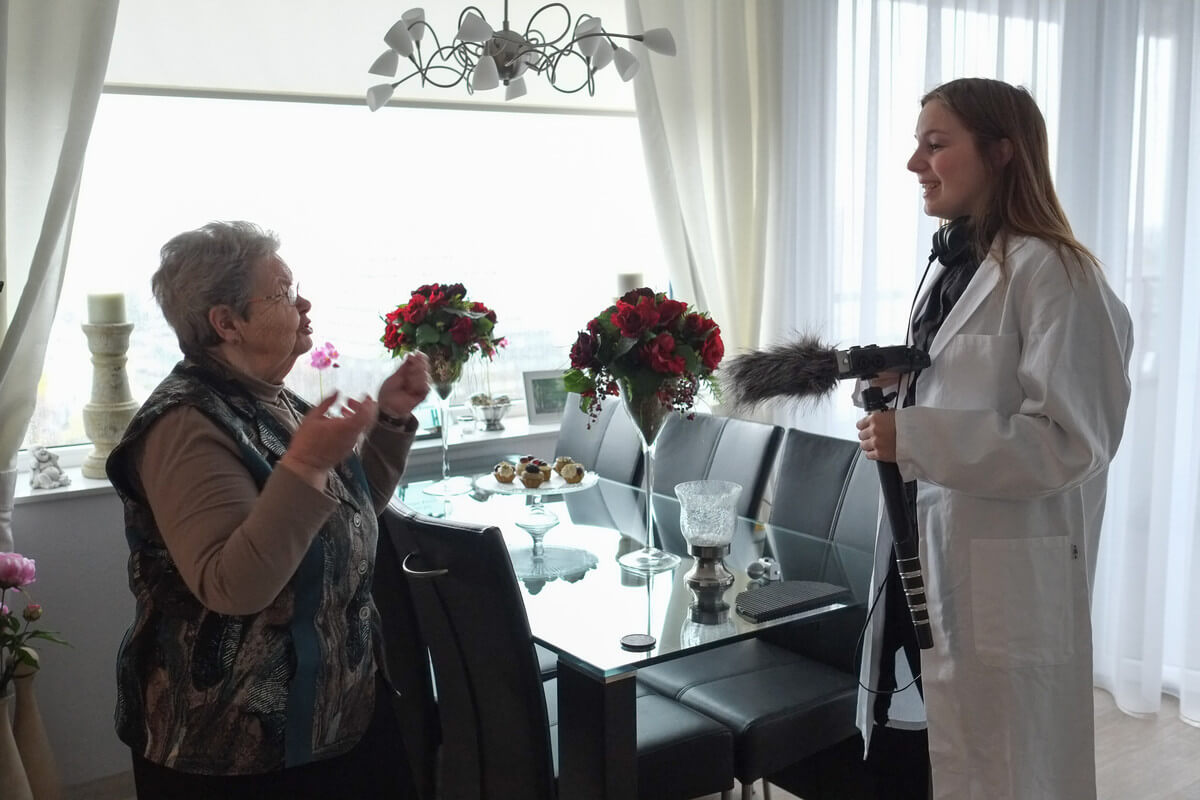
<point x="954" y="178"/>
<point x="275" y="332"/>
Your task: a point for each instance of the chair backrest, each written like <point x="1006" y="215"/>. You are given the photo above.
<point x="721" y="448"/>
<point x="405" y="657"/>
<point x="684" y="450"/>
<point x="745" y="454"/>
<point x="813" y="475"/>
<point x="620" y="456"/>
<point x="578" y="436"/>
<point x="495" y="730"/>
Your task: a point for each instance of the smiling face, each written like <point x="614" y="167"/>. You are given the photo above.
<point x="953" y="174"/>
<point x="274" y="333"/>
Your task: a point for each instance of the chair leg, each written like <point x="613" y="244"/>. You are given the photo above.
<point x="748" y="791"/>
<point x="766" y="789"/>
<point x="726" y="794"/>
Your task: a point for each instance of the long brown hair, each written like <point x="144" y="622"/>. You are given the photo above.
<point x="1022" y="199"/>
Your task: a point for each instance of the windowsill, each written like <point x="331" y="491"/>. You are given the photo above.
<point x="465" y="443"/>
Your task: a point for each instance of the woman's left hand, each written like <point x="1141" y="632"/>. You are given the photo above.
<point x="405" y="388"/>
<point x="877" y="435"/>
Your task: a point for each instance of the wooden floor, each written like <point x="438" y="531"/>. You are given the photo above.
<point x="1136" y="759"/>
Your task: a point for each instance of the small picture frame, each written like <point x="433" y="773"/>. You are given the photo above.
<point x="545" y="396"/>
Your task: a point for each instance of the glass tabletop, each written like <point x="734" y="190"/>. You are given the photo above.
<point x="581" y="603"/>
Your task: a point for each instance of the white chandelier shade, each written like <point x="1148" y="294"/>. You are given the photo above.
<point x="482" y="58"/>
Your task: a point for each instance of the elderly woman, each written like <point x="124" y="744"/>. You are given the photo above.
<point x="250" y="668"/>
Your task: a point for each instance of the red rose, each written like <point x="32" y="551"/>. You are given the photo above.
<point x="697" y="326"/>
<point x="426" y="289"/>
<point x="713" y="349"/>
<point x="659" y="354"/>
<point x="437" y="299"/>
<point x="583" y="352"/>
<point x="669" y="311"/>
<point x="416" y="310"/>
<point x="631" y="297"/>
<point x="462" y="331"/>
<point x="480" y="308"/>
<point x="634" y="320"/>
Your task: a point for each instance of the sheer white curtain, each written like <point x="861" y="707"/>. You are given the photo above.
<point x="1119" y="83"/>
<point x="51" y="70"/>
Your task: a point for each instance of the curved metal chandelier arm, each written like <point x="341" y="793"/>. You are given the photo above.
<point x="530" y="30"/>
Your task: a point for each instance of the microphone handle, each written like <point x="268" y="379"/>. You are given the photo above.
<point x="904" y="535"/>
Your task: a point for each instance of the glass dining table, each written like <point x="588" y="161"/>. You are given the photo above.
<point x="604" y="622"/>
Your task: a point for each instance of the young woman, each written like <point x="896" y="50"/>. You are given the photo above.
<point x="1008" y="436"/>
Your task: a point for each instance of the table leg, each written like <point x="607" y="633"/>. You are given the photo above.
<point x="597" y="736"/>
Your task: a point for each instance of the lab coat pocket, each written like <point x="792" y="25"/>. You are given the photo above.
<point x="1021" y="605"/>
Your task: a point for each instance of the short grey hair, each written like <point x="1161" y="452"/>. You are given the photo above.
<point x="208" y="267"/>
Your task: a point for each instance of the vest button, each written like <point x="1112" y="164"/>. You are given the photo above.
<point x="364" y="613"/>
<point x="362" y="568"/>
<point x="357" y="520"/>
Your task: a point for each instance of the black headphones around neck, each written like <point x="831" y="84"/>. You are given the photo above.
<point x="952" y="243"/>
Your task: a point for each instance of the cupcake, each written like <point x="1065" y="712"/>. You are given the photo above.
<point x="560" y="462"/>
<point x="504" y="472"/>
<point x="544" y="467"/>
<point x="572" y="472"/>
<point x="531" y="476"/>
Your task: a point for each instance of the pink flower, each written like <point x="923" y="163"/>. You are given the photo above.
<point x="16" y="571"/>
<point x="325" y="356"/>
<point x="32" y="612"/>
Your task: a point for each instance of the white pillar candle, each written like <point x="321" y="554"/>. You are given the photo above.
<point x="106" y="309"/>
<point x="628" y="281"/>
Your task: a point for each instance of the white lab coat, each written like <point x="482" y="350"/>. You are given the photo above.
<point x="1015" y="424"/>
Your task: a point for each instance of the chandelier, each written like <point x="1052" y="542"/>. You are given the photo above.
<point x="483" y="58"/>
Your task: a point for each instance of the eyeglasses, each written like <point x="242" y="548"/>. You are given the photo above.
<point x="292" y="294"/>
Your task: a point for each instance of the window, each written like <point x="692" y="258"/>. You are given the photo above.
<point x="536" y="213"/>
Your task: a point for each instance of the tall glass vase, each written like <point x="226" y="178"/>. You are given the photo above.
<point x="443" y="377"/>
<point x="649" y="413"/>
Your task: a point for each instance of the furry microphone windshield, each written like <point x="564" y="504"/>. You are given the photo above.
<point x="809" y="368"/>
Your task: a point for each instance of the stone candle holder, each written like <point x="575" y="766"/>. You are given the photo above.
<point x="112" y="406"/>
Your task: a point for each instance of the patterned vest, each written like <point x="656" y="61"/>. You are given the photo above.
<point x="203" y="692"/>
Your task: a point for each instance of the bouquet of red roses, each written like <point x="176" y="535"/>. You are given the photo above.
<point x="440" y="322"/>
<point x="649" y="343"/>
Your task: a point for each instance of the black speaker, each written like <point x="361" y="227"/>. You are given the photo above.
<point x="952" y="242"/>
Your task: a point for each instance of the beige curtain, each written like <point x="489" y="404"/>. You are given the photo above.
<point x="54" y="56"/>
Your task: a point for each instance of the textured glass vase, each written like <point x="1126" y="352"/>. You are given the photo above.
<point x="649" y="413"/>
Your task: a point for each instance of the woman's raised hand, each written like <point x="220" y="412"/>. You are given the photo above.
<point x="405" y="388"/>
<point x="323" y="441"/>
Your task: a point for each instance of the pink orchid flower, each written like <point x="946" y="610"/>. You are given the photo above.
<point x="324" y="356"/>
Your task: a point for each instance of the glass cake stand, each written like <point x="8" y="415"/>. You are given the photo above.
<point x="537" y="519"/>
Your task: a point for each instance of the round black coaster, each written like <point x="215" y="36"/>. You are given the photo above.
<point x="638" y="642"/>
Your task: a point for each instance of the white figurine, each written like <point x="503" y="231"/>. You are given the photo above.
<point x="45" y="473"/>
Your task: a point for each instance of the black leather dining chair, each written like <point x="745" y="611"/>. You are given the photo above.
<point x="812" y="478"/>
<point x="608" y="445"/>
<point x="497" y="737"/>
<point x="792" y="692"/>
<point x="718" y="448"/>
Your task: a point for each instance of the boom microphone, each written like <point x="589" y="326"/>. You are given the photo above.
<point x="807" y="368"/>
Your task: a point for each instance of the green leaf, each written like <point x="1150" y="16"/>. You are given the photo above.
<point x="28" y="656"/>
<point x="427" y="334"/>
<point x="623" y="346"/>
<point x="691" y="358"/>
<point x="576" y="381"/>
<point x="50" y="636"/>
